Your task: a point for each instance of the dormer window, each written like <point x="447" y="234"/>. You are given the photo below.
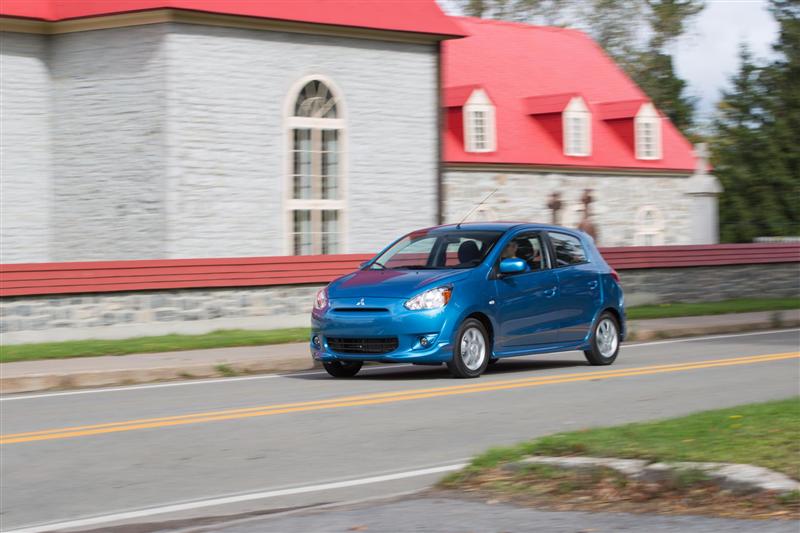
<point x="479" y="124"/>
<point x="577" y="128"/>
<point x="647" y="126"/>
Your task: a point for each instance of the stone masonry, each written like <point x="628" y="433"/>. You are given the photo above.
<point x="169" y="140"/>
<point x="134" y="314"/>
<point x="195" y="311"/>
<point x="617" y="202"/>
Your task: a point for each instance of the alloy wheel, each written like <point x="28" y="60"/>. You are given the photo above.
<point x="473" y="348"/>
<point x="607" y="337"/>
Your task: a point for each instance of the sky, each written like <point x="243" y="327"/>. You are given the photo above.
<point x="706" y="56"/>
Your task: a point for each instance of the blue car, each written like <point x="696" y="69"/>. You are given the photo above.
<point x="469" y="294"/>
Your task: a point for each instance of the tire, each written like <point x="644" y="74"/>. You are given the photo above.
<point x="604" y="342"/>
<point x="342" y="369"/>
<point x="472" y="350"/>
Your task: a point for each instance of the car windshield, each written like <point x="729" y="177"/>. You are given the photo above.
<point x="438" y="250"/>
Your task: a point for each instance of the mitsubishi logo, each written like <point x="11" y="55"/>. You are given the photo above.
<point x="361" y="302"/>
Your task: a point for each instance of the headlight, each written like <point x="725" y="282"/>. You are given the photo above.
<point x="321" y="301"/>
<point x="432" y="299"/>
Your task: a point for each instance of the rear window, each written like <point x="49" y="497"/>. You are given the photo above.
<point x="569" y="250"/>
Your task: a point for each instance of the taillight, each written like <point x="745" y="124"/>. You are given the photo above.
<point x="615" y="275"/>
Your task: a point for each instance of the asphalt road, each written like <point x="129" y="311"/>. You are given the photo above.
<point x="172" y="454"/>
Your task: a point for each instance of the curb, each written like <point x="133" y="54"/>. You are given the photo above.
<point x="642" y="334"/>
<point x="738" y="478"/>
<point x="108" y="378"/>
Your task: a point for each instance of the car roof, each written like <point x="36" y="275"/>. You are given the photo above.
<point x="502" y="226"/>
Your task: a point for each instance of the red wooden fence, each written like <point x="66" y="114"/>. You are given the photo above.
<point x="115" y="276"/>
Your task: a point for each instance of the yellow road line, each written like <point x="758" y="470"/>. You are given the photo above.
<point x="377" y="398"/>
<point x="596" y="374"/>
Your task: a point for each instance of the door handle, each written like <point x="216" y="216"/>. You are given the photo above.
<point x="549" y="293"/>
<point x="593" y="284"/>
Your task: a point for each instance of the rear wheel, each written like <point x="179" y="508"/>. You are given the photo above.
<point x="604" y="342"/>
<point x="472" y="350"/>
<point x="342" y="369"/>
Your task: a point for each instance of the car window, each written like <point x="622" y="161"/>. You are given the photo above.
<point x="527" y="247"/>
<point x="414" y="254"/>
<point x="456" y="248"/>
<point x="451" y="252"/>
<point x="568" y="249"/>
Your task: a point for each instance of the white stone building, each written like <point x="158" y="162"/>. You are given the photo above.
<point x="532" y="111"/>
<point x="207" y="128"/>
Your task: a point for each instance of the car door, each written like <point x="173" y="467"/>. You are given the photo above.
<point x="578" y="287"/>
<point x="525" y="300"/>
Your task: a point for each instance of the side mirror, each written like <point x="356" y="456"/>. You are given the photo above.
<point x="512" y="266"/>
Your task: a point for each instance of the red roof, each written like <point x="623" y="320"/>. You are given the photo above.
<point x="538" y="69"/>
<point x="553" y="103"/>
<point x="419" y="16"/>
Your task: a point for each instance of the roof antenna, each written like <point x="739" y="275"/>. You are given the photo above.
<point x="458" y="226"/>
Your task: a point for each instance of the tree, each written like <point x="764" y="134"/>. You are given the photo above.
<point x="655" y="72"/>
<point x="755" y="151"/>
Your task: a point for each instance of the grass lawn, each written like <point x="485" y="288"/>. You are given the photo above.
<point x="763" y="434"/>
<point x="228" y="338"/>
<point x="712" y="308"/>
<point x="163" y="343"/>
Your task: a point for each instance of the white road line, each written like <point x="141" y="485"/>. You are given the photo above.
<point x="320" y="372"/>
<point x="188" y="506"/>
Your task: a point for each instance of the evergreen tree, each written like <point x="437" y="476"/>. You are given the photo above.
<point x="739" y="152"/>
<point x="755" y="150"/>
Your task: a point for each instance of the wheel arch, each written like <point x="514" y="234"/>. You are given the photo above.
<point x="487" y="323"/>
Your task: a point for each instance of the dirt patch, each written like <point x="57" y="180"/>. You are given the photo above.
<point x="603" y="489"/>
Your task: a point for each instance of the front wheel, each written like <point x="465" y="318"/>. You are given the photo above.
<point x="342" y="369"/>
<point x="472" y="350"/>
<point x="604" y="342"/>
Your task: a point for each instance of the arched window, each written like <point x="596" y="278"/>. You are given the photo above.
<point x="315" y="202"/>
<point x="479" y="124"/>
<point x="647" y="126"/>
<point x="577" y="128"/>
<point x="649" y="227"/>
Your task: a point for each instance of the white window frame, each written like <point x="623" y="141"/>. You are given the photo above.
<point x="315" y="205"/>
<point x="648" y="119"/>
<point x="649" y="229"/>
<point x="577" y="128"/>
<point x="479" y="111"/>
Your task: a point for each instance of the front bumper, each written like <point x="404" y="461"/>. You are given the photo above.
<point x="382" y="318"/>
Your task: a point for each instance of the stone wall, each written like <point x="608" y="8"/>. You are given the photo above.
<point x="170" y="141"/>
<point x="135" y="314"/>
<point x="706" y="284"/>
<point x="618" y="200"/>
<point x="25" y="148"/>
<point x="193" y="311"/>
<point x="109" y="100"/>
<point x="228" y="147"/>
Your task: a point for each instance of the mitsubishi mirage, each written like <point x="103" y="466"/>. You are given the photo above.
<point x="469" y="294"/>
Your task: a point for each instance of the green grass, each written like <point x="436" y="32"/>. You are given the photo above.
<point x="163" y="343"/>
<point x="236" y="337"/>
<point x="712" y="308"/>
<point x="763" y="434"/>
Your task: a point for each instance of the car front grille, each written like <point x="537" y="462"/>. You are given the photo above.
<point x="360" y="310"/>
<point x="360" y="345"/>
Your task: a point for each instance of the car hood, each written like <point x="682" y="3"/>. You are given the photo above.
<point x="390" y="283"/>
